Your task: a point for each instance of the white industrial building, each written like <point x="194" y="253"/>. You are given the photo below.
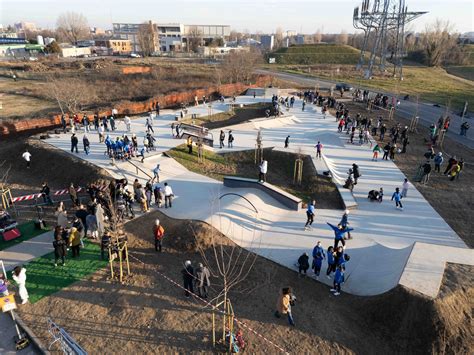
<point x="170" y="37"/>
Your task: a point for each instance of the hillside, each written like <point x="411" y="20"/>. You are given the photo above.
<point x="316" y="54"/>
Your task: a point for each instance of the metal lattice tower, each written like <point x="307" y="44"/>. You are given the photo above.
<point x="383" y="21"/>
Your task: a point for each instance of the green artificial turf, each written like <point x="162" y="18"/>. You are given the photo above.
<point x="27" y="230"/>
<point x="44" y="279"/>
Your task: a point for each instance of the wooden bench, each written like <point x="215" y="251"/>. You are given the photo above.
<point x="278" y="194"/>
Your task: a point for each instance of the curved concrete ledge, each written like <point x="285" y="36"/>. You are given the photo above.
<point x="278" y="194"/>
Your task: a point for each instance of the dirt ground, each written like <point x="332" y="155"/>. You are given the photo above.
<point x="149" y="314"/>
<point x="453" y="200"/>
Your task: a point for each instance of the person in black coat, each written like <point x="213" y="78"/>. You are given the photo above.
<point x="60" y="249"/>
<point x="188" y="277"/>
<point x="303" y="263"/>
<point x="356" y="172"/>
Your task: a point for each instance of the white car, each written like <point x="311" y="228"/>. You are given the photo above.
<point x="135" y="55"/>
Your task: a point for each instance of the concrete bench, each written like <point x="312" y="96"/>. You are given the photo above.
<point x="278" y="194"/>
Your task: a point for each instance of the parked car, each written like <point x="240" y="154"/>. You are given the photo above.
<point x="344" y="87"/>
<point x="135" y="55"/>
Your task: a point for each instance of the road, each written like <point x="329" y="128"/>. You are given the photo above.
<point x="426" y="111"/>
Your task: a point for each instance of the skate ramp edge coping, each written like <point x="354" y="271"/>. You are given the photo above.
<point x="286" y="199"/>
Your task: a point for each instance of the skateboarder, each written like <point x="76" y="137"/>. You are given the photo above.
<point x="397" y="196"/>
<point x="310" y="215"/>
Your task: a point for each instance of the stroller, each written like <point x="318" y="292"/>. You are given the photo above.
<point x="8" y="227"/>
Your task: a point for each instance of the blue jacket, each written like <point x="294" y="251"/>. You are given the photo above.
<point x="339" y="277"/>
<point x="397" y="196"/>
<point x="438" y="160"/>
<point x="317" y="262"/>
<point x="310" y="209"/>
<point x="317" y="250"/>
<point x="330" y="258"/>
<point x="339" y="233"/>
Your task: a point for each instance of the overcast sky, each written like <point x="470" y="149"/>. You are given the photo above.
<point x="304" y="16"/>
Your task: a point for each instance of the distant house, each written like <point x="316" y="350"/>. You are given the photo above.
<point x="71" y="51"/>
<point x="115" y="46"/>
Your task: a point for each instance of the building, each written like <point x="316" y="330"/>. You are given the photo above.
<point x="171" y="37"/>
<point x="22" y="27"/>
<point x="68" y="52"/>
<point x="115" y="46"/>
<point x="267" y="41"/>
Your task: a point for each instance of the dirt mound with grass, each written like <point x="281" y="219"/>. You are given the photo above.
<point x="149" y="314"/>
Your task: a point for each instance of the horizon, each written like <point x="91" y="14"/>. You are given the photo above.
<point x="302" y="16"/>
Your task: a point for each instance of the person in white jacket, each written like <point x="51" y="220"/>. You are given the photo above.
<point x="127" y="123"/>
<point x="405" y="187"/>
<point x="19" y="276"/>
<point x="262" y="176"/>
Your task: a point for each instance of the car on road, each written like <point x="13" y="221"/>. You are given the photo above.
<point x="344" y="87"/>
<point x="135" y="55"/>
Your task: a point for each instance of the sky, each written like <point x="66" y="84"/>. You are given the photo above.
<point x="303" y="16"/>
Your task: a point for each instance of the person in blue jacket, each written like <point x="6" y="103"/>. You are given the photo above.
<point x="339" y="232"/>
<point x="318" y="249"/>
<point x="345" y="222"/>
<point x="397" y="196"/>
<point x="317" y="263"/>
<point x="310" y="215"/>
<point x="338" y="280"/>
<point x="331" y="261"/>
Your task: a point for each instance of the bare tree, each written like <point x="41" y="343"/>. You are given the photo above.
<point x="4" y="174"/>
<point x="147" y="38"/>
<point x="342" y="38"/>
<point x="194" y="37"/>
<point x="72" y="94"/>
<point x="279" y="37"/>
<point x="238" y="66"/>
<point x="72" y="26"/>
<point x="438" y="42"/>
<point x="317" y="37"/>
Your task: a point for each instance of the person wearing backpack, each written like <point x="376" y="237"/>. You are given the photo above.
<point x="158" y="234"/>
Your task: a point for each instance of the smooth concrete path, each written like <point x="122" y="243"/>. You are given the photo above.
<point x="385" y="239"/>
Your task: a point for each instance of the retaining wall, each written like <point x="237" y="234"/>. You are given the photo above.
<point x="131" y="108"/>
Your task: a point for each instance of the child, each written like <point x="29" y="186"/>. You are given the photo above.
<point x="142" y="153"/>
<point x="303" y="263"/>
<point x="397" y="197"/>
<point x="405" y="187"/>
<point x="338" y="280"/>
<point x="339" y="232"/>
<point x="3" y="285"/>
<point x="331" y="262"/>
<point x="19" y="275"/>
<point x="317" y="263"/>
<point x="381" y="195"/>
<point x="59" y="245"/>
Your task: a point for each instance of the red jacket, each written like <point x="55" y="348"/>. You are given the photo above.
<point x="158" y="232"/>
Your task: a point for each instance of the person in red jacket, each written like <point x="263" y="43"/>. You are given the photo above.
<point x="158" y="234"/>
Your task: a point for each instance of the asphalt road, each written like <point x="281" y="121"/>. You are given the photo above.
<point x="427" y="112"/>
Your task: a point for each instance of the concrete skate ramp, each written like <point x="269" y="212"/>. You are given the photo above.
<point x="375" y="269"/>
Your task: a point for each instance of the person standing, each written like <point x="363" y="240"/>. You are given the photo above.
<point x="230" y="140"/>
<point x="45" y="193"/>
<point x="426" y="172"/>
<point x="86" y="144"/>
<point x="319" y="149"/>
<point x="284" y="305"/>
<point x="74" y="143"/>
<point x="101" y="132"/>
<point x="73" y="195"/>
<point x="393" y="151"/>
<point x="168" y="191"/>
<point x="27" y="157"/>
<point x="60" y="250"/>
<point x="386" y="151"/>
<point x="188" y="277"/>
<point x="262" y="177"/>
<point x="438" y="160"/>
<point x="203" y="280"/>
<point x="19" y="276"/>
<point x="189" y="144"/>
<point x="158" y="234"/>
<point x="331" y="261"/>
<point x="303" y="105"/>
<point x="405" y="187"/>
<point x="303" y="263"/>
<point x="91" y="226"/>
<point x="287" y="141"/>
<point x="221" y="139"/>
<point x="376" y="151"/>
<point x="338" y="280"/>
<point x="397" y="196"/>
<point x="74" y="241"/>
<point x="356" y="172"/>
<point x="339" y="234"/>
<point x="156" y="173"/>
<point x="310" y="215"/>
<point x="128" y="123"/>
<point x="63" y="123"/>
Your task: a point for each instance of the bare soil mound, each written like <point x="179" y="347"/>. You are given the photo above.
<point x="149" y="314"/>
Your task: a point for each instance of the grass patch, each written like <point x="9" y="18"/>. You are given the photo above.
<point x="280" y="172"/>
<point x="463" y="71"/>
<point x="316" y="54"/>
<point x="27" y="230"/>
<point x="432" y="84"/>
<point x="44" y="279"/>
